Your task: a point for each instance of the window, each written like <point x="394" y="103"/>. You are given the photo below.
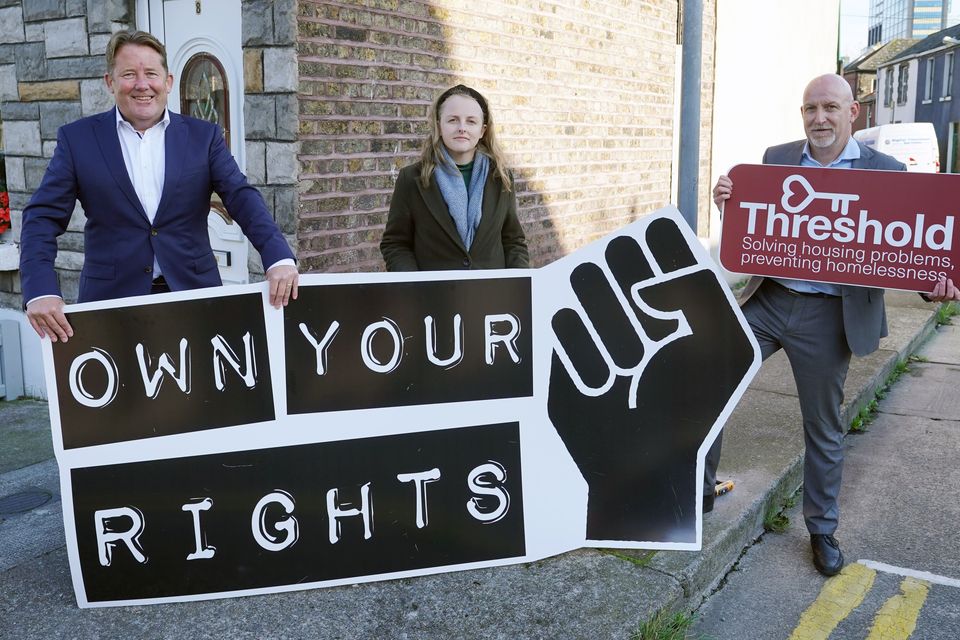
<point x="947" y="75"/>
<point x="888" y="88"/>
<point x="903" y="76"/>
<point x="928" y="81"/>
<point x="204" y="93"/>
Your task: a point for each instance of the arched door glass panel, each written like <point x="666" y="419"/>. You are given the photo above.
<point x="204" y="94"/>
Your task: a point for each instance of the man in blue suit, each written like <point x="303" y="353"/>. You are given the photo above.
<point x="144" y="177"/>
<point x="818" y="325"/>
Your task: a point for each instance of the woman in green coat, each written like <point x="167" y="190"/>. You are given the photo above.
<point x="455" y="208"/>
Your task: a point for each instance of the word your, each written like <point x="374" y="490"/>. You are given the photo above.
<point x="489" y="502"/>
<point x="492" y="340"/>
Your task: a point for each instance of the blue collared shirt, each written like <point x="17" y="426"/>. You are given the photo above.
<point x="845" y="160"/>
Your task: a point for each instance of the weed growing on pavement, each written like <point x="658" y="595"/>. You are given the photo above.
<point x="868" y="412"/>
<point x="864" y="417"/>
<point x="946" y="312"/>
<point x="640" y="558"/>
<point x="664" y="626"/>
<point x="775" y="520"/>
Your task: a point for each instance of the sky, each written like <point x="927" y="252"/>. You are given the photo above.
<point x="853" y="27"/>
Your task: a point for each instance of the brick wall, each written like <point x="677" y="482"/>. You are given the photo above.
<point x="582" y="94"/>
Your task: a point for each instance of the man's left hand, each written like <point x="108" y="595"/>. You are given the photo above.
<point x="944" y="290"/>
<point x="284" y="280"/>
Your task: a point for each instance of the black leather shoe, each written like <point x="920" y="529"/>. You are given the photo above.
<point x="708" y="502"/>
<point x="827" y="557"/>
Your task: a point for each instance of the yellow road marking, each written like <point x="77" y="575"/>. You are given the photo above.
<point x="897" y="618"/>
<point x="839" y="596"/>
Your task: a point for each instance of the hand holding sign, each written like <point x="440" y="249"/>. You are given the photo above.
<point x="638" y="380"/>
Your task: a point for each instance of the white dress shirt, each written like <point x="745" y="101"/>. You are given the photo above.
<point x="144" y="155"/>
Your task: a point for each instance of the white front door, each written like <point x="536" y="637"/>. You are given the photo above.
<point x="205" y="56"/>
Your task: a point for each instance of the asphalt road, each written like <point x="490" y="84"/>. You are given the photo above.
<point x="899" y="530"/>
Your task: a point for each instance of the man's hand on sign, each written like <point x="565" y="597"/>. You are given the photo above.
<point x="638" y="378"/>
<point x="47" y="318"/>
<point x="722" y="191"/>
<point x="944" y="291"/>
<point x="284" y="281"/>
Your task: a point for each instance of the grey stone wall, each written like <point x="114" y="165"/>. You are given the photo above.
<point x="270" y="110"/>
<point x="51" y="73"/>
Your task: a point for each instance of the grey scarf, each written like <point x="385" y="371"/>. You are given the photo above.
<point x="464" y="204"/>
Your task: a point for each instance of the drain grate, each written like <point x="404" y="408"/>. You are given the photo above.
<point x="23" y="501"/>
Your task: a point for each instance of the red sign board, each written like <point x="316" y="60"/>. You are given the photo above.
<point x="887" y="229"/>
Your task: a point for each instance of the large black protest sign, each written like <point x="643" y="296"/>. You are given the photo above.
<point x="392" y="425"/>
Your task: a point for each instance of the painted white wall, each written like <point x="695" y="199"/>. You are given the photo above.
<point x="34" y="384"/>
<point x="898" y="112"/>
<point x="766" y="53"/>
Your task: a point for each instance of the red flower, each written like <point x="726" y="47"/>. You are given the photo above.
<point x="4" y="212"/>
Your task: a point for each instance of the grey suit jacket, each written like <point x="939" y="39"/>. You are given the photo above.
<point x="864" y="314"/>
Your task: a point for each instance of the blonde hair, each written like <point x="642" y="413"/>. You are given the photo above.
<point x="142" y="38"/>
<point x="432" y="154"/>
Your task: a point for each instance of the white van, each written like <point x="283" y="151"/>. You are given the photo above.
<point x="912" y="143"/>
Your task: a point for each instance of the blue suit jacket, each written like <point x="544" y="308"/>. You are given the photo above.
<point x="119" y="241"/>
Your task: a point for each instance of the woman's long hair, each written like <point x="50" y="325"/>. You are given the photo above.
<point x="432" y="155"/>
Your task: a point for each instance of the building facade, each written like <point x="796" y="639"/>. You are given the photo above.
<point x="897" y="90"/>
<point x="891" y="19"/>
<point x="861" y="74"/>
<point x="323" y="102"/>
<point x="920" y="85"/>
<point x="938" y="88"/>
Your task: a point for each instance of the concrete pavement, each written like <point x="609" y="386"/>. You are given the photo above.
<point x="899" y="518"/>
<point x="583" y="594"/>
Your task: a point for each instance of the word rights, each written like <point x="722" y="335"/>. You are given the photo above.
<point x="885" y="229"/>
<point x="386" y="425"/>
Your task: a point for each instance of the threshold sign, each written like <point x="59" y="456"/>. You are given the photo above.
<point x="885" y="229"/>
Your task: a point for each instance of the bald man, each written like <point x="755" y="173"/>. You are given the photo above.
<point x="818" y="325"/>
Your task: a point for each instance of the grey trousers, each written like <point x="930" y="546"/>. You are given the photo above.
<point x="810" y="331"/>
